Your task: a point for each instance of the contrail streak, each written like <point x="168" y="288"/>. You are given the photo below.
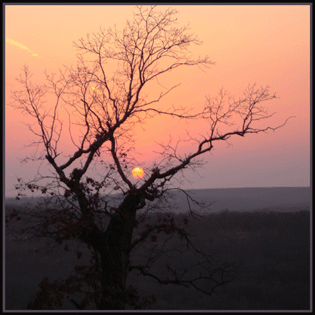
<point x="13" y="42"/>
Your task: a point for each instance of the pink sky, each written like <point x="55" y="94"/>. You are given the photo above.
<point x="266" y="44"/>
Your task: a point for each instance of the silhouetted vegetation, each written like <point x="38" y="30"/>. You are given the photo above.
<point x="269" y="252"/>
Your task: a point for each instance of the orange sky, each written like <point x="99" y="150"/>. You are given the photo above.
<point x="266" y="44"/>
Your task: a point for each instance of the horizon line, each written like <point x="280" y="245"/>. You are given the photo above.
<point x="255" y="187"/>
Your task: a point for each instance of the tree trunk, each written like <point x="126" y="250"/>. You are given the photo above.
<point x="114" y="245"/>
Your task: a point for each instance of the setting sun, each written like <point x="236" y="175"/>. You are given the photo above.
<point x="137" y="172"/>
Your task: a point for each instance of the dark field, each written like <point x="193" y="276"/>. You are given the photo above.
<point x="270" y="250"/>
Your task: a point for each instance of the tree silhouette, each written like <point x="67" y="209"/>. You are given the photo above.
<point x="105" y="98"/>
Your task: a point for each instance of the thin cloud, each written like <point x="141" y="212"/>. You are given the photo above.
<point x="13" y="42"/>
<point x="96" y="90"/>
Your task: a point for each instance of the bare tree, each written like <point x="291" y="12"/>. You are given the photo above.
<point x="105" y="98"/>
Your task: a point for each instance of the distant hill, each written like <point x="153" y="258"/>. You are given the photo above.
<point x="235" y="199"/>
<point x="274" y="198"/>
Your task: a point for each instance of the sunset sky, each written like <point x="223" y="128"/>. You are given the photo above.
<point x="262" y="44"/>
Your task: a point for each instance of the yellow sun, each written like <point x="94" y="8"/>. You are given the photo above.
<point x="137" y="172"/>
